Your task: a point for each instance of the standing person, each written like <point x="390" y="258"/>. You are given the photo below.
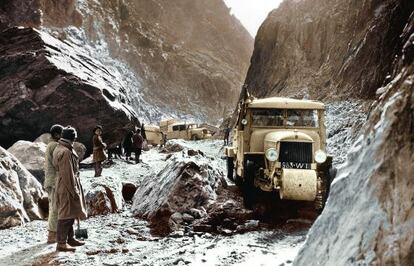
<point x="143" y="133"/>
<point x="226" y="135"/>
<point x="137" y="141"/>
<point x="50" y="180"/>
<point x="98" y="150"/>
<point x="128" y="144"/>
<point x="69" y="194"/>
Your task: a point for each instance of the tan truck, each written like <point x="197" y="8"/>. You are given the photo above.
<point x="183" y="130"/>
<point x="154" y="135"/>
<point x="279" y="145"/>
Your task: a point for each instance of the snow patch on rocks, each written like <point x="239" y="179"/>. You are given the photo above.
<point x="32" y="156"/>
<point x="20" y="192"/>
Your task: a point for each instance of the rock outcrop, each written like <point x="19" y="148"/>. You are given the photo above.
<point x="32" y="156"/>
<point x="20" y="193"/>
<point x="327" y="49"/>
<point x="45" y="81"/>
<point x="185" y="58"/>
<point x="180" y="191"/>
<point x="103" y="195"/>
<point x="374" y="187"/>
<point x="191" y="56"/>
<point x="343" y="49"/>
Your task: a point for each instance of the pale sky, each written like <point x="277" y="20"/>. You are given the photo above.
<point x="252" y="13"/>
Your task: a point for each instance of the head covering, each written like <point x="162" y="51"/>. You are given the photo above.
<point x="56" y="129"/>
<point x="69" y="133"/>
<point x="96" y="128"/>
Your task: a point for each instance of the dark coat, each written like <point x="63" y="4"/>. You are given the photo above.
<point x="137" y="141"/>
<point x="127" y="143"/>
<point x="98" y="149"/>
<point x="70" y="200"/>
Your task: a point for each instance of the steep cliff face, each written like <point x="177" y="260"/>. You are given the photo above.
<point x="354" y="50"/>
<point x="370" y="213"/>
<point x="188" y="58"/>
<point x="327" y="49"/>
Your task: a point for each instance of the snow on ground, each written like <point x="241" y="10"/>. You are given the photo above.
<point x="121" y="239"/>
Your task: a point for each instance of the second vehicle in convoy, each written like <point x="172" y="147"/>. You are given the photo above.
<point x="183" y="130"/>
<point x="279" y="145"/>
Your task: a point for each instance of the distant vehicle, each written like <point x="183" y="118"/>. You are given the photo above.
<point x="183" y="130"/>
<point x="154" y="135"/>
<point x="279" y="145"/>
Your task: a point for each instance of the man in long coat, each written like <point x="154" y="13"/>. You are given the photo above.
<point x="69" y="194"/>
<point x="50" y="181"/>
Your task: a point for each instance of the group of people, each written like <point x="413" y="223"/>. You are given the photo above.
<point x="132" y="143"/>
<point x="62" y="182"/>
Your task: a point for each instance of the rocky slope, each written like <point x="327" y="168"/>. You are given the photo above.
<point x="183" y="58"/>
<point x="356" y="50"/>
<point x="376" y="182"/>
<point x="327" y="49"/>
<point x="45" y="81"/>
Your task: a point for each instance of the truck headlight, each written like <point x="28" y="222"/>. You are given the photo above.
<point x="271" y="154"/>
<point x="320" y="156"/>
<point x="244" y="121"/>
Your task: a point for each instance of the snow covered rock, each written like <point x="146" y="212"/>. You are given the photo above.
<point x="20" y="192"/>
<point x="181" y="186"/>
<point x="51" y="79"/>
<point x="32" y="156"/>
<point x="103" y="195"/>
<point x="44" y="138"/>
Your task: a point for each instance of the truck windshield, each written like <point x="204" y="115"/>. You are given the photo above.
<point x="302" y="118"/>
<point x="276" y="118"/>
<point x="267" y="117"/>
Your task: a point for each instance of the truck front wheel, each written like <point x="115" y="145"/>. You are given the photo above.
<point x="248" y="188"/>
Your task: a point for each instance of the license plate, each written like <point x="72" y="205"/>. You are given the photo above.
<point x="290" y="165"/>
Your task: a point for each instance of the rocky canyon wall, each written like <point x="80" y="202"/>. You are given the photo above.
<point x="345" y="49"/>
<point x="144" y="59"/>
<point x="320" y="49"/>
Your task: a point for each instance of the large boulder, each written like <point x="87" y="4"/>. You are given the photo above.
<point x="181" y="187"/>
<point x="44" y="81"/>
<point x="103" y="195"/>
<point x="32" y="156"/>
<point x="20" y="192"/>
<point x="79" y="147"/>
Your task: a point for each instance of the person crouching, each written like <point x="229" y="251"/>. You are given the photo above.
<point x="70" y="200"/>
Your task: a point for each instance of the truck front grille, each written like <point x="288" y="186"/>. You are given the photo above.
<point x="295" y="152"/>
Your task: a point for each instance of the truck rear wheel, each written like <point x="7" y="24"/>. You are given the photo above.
<point x="230" y="168"/>
<point x="194" y="137"/>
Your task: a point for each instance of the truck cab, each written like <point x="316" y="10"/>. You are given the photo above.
<point x="279" y="144"/>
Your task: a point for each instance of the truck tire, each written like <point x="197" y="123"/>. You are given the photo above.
<point x="194" y="137"/>
<point x="321" y="199"/>
<point x="230" y="168"/>
<point x="248" y="189"/>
